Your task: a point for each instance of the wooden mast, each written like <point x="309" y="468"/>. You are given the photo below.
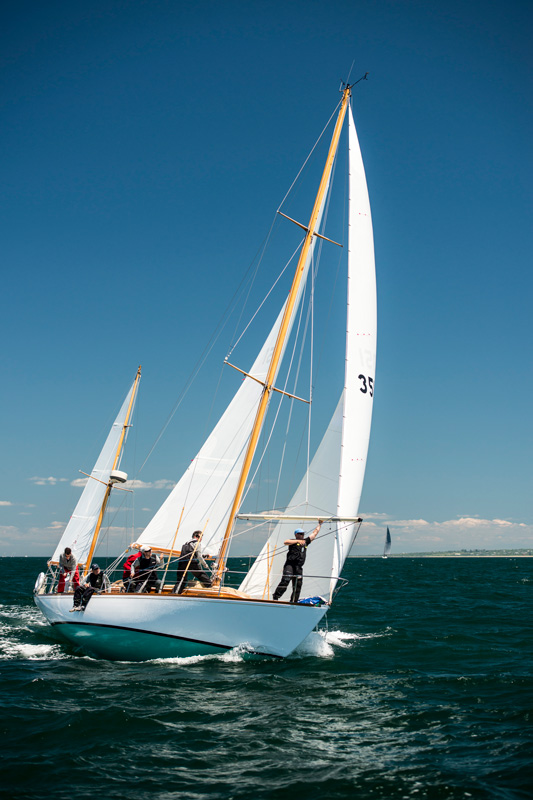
<point x="110" y="485"/>
<point x="282" y="334"/>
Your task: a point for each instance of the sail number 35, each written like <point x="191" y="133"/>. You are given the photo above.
<point x="368" y="385"/>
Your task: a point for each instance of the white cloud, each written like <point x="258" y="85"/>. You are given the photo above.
<point x="79" y="483"/>
<point x="468" y="532"/>
<point x="408" y="536"/>
<point x="6" y="503"/>
<point x="50" y="481"/>
<point x="163" y="483"/>
<point x="410" y="523"/>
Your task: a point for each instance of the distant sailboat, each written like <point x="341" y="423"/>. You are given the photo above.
<point x="209" y="496"/>
<point x="388" y="542"/>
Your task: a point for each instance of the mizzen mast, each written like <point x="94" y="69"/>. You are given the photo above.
<point x="283" y="331"/>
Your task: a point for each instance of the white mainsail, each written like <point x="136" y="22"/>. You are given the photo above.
<point x="334" y="481"/>
<point x="360" y="369"/>
<point x="80" y="528"/>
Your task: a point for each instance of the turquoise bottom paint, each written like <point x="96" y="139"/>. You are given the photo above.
<point x="117" y="644"/>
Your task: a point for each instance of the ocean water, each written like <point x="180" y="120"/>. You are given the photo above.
<point x="420" y="687"/>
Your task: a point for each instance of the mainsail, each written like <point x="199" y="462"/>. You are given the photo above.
<point x="334" y="481"/>
<point x="360" y="369"/>
<point x="80" y="529"/>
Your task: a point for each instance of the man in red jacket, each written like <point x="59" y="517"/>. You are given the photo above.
<point x="126" y="575"/>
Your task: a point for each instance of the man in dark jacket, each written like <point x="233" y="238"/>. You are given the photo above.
<point x="145" y="571"/>
<point x="189" y="564"/>
<point x="95" y="581"/>
<point x="293" y="567"/>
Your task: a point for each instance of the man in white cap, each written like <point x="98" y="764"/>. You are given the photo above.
<point x="293" y="567"/>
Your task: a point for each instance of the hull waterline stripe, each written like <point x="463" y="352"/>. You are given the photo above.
<point x="167" y="635"/>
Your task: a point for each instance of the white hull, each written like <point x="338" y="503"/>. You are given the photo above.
<point x="141" y="627"/>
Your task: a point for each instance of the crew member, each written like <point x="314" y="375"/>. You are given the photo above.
<point x="293" y="567"/>
<point x="190" y="564"/>
<point x="144" y="571"/>
<point x="96" y="581"/>
<point x="127" y="573"/>
<point x="69" y="571"/>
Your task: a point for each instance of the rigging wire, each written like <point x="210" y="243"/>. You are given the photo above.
<point x="310" y="154"/>
<point x="265" y="448"/>
<point x="217" y="332"/>
<point x="266" y="297"/>
<point x="232" y="303"/>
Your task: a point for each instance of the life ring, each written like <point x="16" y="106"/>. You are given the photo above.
<point x="39" y="583"/>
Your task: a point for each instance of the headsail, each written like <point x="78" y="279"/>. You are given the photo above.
<point x="206" y="490"/>
<point x="80" y="529"/>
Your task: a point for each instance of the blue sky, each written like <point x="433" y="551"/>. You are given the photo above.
<point x="145" y="147"/>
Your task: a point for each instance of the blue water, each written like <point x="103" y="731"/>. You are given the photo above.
<point x="420" y="688"/>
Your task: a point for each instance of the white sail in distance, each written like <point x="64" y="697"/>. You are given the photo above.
<point x="80" y="529"/>
<point x="333" y="484"/>
<point x="388" y="544"/>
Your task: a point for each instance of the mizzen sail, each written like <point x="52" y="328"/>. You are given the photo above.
<point x="78" y="534"/>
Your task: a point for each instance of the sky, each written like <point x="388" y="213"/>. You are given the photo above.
<point x="144" y="149"/>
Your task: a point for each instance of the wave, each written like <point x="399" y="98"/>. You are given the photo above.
<point x="323" y="644"/>
<point x="234" y="656"/>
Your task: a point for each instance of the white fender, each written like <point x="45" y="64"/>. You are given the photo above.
<point x="39" y="583"/>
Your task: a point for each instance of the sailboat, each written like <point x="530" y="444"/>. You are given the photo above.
<point x="388" y="543"/>
<point x="211" y="494"/>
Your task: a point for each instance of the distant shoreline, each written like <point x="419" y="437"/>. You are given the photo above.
<point x="487" y="554"/>
<point x="518" y="553"/>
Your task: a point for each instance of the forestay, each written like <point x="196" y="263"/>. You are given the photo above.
<point x="81" y="526"/>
